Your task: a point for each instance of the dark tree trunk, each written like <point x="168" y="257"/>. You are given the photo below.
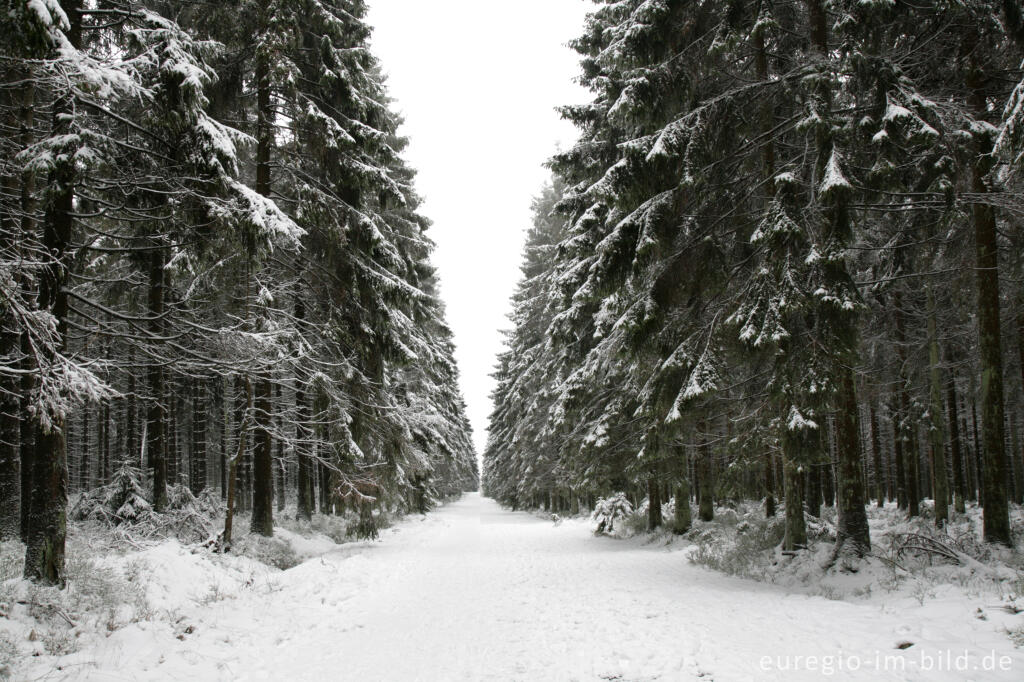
<point x="901" y="472"/>
<point x="876" y="456"/>
<point x="132" y="451"/>
<point x="104" y="471"/>
<point x="653" y="502"/>
<point x="47" y="521"/>
<point x="280" y="465"/>
<point x="796" y="530"/>
<point x="243" y="429"/>
<point x="263" y="461"/>
<point x="10" y="385"/>
<point x="197" y="479"/>
<point x="10" y="407"/>
<point x="85" y="447"/>
<point x="26" y="430"/>
<point x="811" y="477"/>
<point x="936" y="428"/>
<point x="705" y="484"/>
<point x="305" y="463"/>
<point x="263" y="465"/>
<point x="959" y="488"/>
<point x="156" y="438"/>
<point x="852" y="537"/>
<point x="682" y="520"/>
<point x="996" y="510"/>
<point x="979" y="487"/>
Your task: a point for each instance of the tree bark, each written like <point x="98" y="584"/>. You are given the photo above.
<point x="263" y="462"/>
<point x="47" y="521"/>
<point x="156" y="437"/>
<point x="936" y="430"/>
<point x="996" y="509"/>
<point x="876" y="456"/>
<point x="852" y="536"/>
<point x="959" y="488"/>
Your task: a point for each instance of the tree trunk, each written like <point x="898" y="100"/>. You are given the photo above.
<point x="10" y="427"/>
<point x="876" y="456"/>
<point x="305" y="462"/>
<point x="653" y="502"/>
<point x="996" y="510"/>
<point x="705" y="485"/>
<point x="796" y="530"/>
<point x="156" y="437"/>
<point x="936" y="429"/>
<point x="10" y="385"/>
<point x="243" y="429"/>
<point x="85" y="445"/>
<point x="26" y="430"/>
<point x="263" y="463"/>
<point x="47" y="520"/>
<point x="852" y="536"/>
<point x="197" y="460"/>
<point x="959" y="488"/>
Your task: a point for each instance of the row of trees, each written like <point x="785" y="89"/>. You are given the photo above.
<point x="783" y="260"/>
<point x="212" y="265"/>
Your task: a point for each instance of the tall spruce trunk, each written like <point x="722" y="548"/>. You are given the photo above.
<point x="263" y="465"/>
<point x="876" y="455"/>
<point x="996" y="509"/>
<point x="959" y="487"/>
<point x="852" y="536"/>
<point x="705" y="484"/>
<point x="936" y="428"/>
<point x="156" y="419"/>
<point x="47" y="520"/>
<point x="682" y="520"/>
<point x="767" y="122"/>
<point x="263" y="461"/>
<point x="305" y="462"/>
<point x="10" y="384"/>
<point x="243" y="430"/>
<point x="197" y="459"/>
<point x="654" y="519"/>
<point x="26" y="430"/>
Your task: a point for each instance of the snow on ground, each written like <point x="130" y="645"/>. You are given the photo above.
<point x="475" y="592"/>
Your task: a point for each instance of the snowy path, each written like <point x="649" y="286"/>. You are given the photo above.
<point x="473" y="592"/>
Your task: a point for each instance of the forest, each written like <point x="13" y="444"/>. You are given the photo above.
<point x="757" y="413"/>
<point x="215" y="278"/>
<point x="783" y="263"/>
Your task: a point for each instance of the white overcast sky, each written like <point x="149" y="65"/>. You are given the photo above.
<point x="477" y="82"/>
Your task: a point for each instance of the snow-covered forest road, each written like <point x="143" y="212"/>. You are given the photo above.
<point x="474" y="592"/>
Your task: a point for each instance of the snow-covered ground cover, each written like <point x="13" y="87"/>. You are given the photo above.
<point x="475" y="592"/>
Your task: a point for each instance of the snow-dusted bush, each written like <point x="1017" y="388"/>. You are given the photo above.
<point x="609" y="510"/>
<point x="275" y="552"/>
<point x="747" y="552"/>
<point x="123" y="504"/>
<point x="123" y="500"/>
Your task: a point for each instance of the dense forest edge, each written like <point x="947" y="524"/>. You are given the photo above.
<point x="779" y="277"/>
<point x="217" y="296"/>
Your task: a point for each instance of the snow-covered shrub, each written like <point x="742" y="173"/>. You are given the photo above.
<point x="123" y="500"/>
<point x="747" y="553"/>
<point x="123" y="504"/>
<point x="334" y="527"/>
<point x="609" y="510"/>
<point x="274" y="552"/>
<point x="633" y="524"/>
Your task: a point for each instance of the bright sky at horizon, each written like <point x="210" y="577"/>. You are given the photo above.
<point x="478" y="83"/>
